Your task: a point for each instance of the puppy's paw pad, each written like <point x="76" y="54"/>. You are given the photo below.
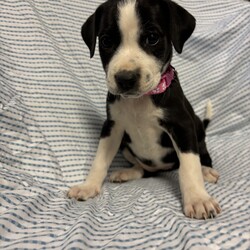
<point x="83" y="192"/>
<point x="202" y="208"/>
<point x="210" y="174"/>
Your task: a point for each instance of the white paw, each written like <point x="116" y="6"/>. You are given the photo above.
<point x="201" y="207"/>
<point x="124" y="175"/>
<point x="84" y="191"/>
<point x="210" y="174"/>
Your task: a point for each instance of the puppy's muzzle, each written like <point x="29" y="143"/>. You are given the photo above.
<point x="127" y="80"/>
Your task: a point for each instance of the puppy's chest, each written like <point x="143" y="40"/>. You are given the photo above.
<point x="140" y="120"/>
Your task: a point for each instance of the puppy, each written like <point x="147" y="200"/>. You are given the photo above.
<point x="148" y="116"/>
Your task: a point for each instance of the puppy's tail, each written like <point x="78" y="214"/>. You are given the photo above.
<point x="208" y="115"/>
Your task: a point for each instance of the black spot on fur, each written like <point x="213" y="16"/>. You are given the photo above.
<point x="106" y="128"/>
<point x="109" y="101"/>
<point x="204" y="155"/>
<point x="170" y="158"/>
<point x="148" y="174"/>
<point x="125" y="140"/>
<point x="206" y="160"/>
<point x="165" y="141"/>
<point x="146" y="162"/>
<point x="112" y="98"/>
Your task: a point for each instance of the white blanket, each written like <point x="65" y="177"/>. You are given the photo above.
<point x="52" y="105"/>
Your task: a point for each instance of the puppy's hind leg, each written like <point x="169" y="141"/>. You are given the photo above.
<point x="128" y="174"/>
<point x="209" y="174"/>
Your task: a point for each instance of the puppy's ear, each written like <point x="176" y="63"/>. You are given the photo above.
<point x="90" y="30"/>
<point x="182" y="25"/>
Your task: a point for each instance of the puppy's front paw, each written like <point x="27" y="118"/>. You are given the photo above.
<point x="84" y="191"/>
<point x="201" y="207"/>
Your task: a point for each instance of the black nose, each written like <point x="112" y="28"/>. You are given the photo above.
<point x="127" y="80"/>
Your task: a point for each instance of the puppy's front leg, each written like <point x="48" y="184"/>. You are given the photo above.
<point x="111" y="137"/>
<point x="196" y="201"/>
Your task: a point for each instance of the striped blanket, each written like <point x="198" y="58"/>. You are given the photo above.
<point x="52" y="105"/>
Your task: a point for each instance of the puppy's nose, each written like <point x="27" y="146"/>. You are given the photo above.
<point x="126" y="79"/>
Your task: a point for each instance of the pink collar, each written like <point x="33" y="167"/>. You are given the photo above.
<point x="164" y="83"/>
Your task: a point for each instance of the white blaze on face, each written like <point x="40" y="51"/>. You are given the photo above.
<point x="129" y="55"/>
<point x="128" y="24"/>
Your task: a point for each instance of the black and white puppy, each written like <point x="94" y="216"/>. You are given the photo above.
<point x="148" y="115"/>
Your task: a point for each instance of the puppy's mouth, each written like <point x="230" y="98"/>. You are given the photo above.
<point x="128" y="94"/>
<point x="131" y="93"/>
<point x="147" y="87"/>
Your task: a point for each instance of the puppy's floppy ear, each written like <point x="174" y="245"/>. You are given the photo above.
<point x="90" y="30"/>
<point x="182" y="25"/>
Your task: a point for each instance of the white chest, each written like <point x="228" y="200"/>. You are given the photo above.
<point x="140" y="119"/>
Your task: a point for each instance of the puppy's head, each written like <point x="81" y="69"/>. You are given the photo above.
<point x="135" y="41"/>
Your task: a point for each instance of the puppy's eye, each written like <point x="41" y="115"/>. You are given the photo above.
<point x="106" y="42"/>
<point x="152" y="39"/>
